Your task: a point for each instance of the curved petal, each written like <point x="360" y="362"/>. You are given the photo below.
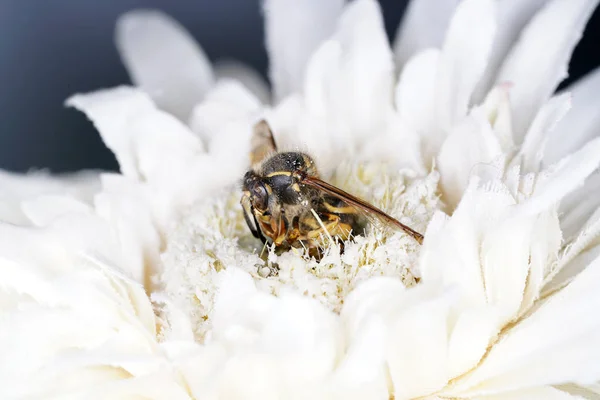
<point x="571" y="269"/>
<point x="227" y="102"/>
<point x="362" y="372"/>
<point x="539" y="350"/>
<point x="294" y="30"/>
<point x="538" y="393"/>
<point x="580" y="251"/>
<point x="296" y="335"/>
<point x="126" y="204"/>
<point x="350" y="78"/>
<point x="137" y="133"/>
<point x="539" y="60"/>
<point x="470" y="143"/>
<point x="416" y="322"/>
<point x="497" y="109"/>
<point x="15" y="188"/>
<point x="581" y="123"/>
<point x="584" y="391"/>
<point x="570" y="173"/>
<point x="424" y="25"/>
<point x="80" y="323"/>
<point x="513" y="15"/>
<point x="464" y="57"/>
<point x="247" y="76"/>
<point x="224" y="122"/>
<point x="417" y="346"/>
<point x="531" y="154"/>
<point x="164" y="60"/>
<point x="578" y="206"/>
<point x="153" y="148"/>
<point x="366" y="66"/>
<point x="416" y="90"/>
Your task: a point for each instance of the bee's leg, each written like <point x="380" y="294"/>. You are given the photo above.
<point x="315" y="252"/>
<point x="290" y="230"/>
<point x="341" y="244"/>
<point x="252" y="223"/>
<point x="258" y="233"/>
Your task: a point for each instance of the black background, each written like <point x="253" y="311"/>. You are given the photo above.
<point x="50" y="49"/>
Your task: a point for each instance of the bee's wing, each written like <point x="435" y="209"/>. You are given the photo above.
<point x="367" y="208"/>
<point x="262" y="143"/>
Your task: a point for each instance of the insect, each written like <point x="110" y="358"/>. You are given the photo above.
<point x="285" y="203"/>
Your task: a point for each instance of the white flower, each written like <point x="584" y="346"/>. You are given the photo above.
<point x="145" y="283"/>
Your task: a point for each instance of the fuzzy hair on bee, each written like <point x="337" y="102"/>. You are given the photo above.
<point x="285" y="203"/>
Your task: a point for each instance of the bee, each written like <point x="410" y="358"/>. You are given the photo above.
<point x="286" y="204"/>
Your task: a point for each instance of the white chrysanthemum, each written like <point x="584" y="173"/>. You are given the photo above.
<point x="147" y="284"/>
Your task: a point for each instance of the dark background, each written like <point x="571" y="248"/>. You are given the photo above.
<point x="50" y="49"/>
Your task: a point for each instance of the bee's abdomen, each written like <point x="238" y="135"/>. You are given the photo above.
<point x="334" y="219"/>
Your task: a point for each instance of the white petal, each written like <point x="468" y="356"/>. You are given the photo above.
<point x="573" y="268"/>
<point x="417" y="347"/>
<point x="16" y="188"/>
<point x="451" y="252"/>
<point x="201" y="368"/>
<point x="76" y="315"/>
<point x="249" y="376"/>
<point x="362" y="373"/>
<point x="226" y="117"/>
<point x="293" y="333"/>
<point x="320" y="72"/>
<point x="247" y="76"/>
<point x="544" y="247"/>
<point x="164" y="60"/>
<point x="396" y="145"/>
<point x="127" y="205"/>
<point x="583" y="249"/>
<point x="110" y="111"/>
<point x="581" y="122"/>
<point x="239" y="308"/>
<point x="158" y="385"/>
<point x="80" y="233"/>
<point x="44" y="209"/>
<point x="577" y="207"/>
<point x="416" y="342"/>
<point x="547" y="118"/>
<point x="149" y="144"/>
<point x="293" y="31"/>
<point x="471" y="335"/>
<point x="497" y="108"/>
<point x="571" y="173"/>
<point x="302" y="337"/>
<point x="513" y="15"/>
<point x="584" y="391"/>
<point x="350" y="78"/>
<point x="375" y="297"/>
<point x="538" y="62"/>
<point x="464" y="58"/>
<point x="366" y="64"/>
<point x="415" y="91"/>
<point x="470" y="143"/>
<point x="539" y="350"/>
<point x="539" y="393"/>
<point x="506" y="253"/>
<point x="424" y="25"/>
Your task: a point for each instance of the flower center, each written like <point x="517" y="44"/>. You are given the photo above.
<point x="211" y="236"/>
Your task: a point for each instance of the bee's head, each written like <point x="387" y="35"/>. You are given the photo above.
<point x="256" y="190"/>
<point x="278" y="180"/>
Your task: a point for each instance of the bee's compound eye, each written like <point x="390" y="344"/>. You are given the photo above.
<point x="260" y="196"/>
